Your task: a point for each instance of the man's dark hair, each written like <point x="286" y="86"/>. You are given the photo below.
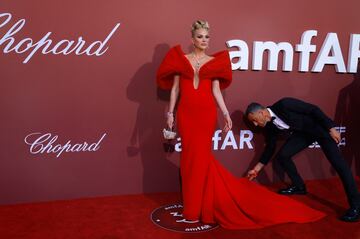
<point x="253" y="107"/>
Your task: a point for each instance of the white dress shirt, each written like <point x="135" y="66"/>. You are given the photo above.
<point x="280" y="124"/>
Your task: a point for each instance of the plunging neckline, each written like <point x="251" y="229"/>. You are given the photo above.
<point x="193" y="69"/>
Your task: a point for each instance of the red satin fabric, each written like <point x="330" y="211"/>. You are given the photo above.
<point x="210" y="192"/>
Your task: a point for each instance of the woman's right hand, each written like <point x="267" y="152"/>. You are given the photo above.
<point x="170" y="121"/>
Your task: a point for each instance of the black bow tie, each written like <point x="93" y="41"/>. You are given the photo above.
<point x="272" y="119"/>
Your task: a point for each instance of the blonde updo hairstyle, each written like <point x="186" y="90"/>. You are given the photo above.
<point x="199" y="24"/>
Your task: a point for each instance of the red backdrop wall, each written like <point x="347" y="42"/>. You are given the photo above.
<point x="81" y="98"/>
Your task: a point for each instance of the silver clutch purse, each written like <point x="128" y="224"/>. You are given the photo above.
<point x="168" y="134"/>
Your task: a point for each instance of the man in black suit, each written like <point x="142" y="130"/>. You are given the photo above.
<point x="306" y="123"/>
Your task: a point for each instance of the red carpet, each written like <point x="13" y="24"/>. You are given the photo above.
<point x="128" y="217"/>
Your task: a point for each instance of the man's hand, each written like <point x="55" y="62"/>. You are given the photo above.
<point x="335" y="135"/>
<point x="252" y="174"/>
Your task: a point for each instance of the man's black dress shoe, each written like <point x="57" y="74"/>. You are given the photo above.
<point x="351" y="215"/>
<point x="293" y="190"/>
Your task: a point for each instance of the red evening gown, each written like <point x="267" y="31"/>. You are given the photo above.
<point x="210" y="193"/>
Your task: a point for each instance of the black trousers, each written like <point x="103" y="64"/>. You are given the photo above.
<point x="298" y="141"/>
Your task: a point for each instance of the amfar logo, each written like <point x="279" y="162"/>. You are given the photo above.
<point x="229" y="140"/>
<point x="330" y="53"/>
<point x="342" y="131"/>
<point x="245" y="140"/>
<point x="64" y="47"/>
<point x="46" y="144"/>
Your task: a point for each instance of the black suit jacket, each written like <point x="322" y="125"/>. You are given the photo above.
<point x="300" y="116"/>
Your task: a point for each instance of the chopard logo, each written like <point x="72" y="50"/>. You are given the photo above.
<point x="47" y="144"/>
<point x="46" y="45"/>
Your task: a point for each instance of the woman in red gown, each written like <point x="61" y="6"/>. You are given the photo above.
<point x="210" y="193"/>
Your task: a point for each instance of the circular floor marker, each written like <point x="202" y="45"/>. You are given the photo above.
<point x="170" y="217"/>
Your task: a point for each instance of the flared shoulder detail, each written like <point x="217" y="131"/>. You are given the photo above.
<point x="219" y="68"/>
<point x="176" y="63"/>
<point x="172" y="65"/>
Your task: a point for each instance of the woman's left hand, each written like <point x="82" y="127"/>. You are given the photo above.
<point x="228" y="123"/>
